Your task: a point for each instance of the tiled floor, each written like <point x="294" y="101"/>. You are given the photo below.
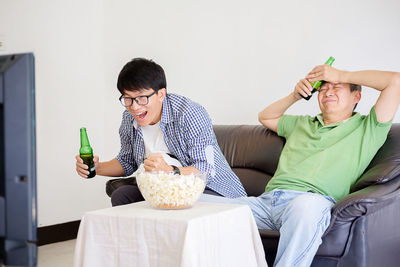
<point x="57" y="255"/>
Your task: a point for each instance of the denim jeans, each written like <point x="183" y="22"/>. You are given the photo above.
<point x="300" y="217"/>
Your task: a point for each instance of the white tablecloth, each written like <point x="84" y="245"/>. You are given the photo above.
<point x="208" y="234"/>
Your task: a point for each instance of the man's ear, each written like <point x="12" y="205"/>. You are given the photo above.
<point x="357" y="96"/>
<point x="162" y="93"/>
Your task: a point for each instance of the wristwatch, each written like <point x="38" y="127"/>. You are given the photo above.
<point x="176" y="170"/>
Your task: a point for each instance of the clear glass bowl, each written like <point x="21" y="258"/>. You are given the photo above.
<point x="171" y="191"/>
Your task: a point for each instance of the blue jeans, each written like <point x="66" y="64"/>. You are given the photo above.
<point x="300" y="217"/>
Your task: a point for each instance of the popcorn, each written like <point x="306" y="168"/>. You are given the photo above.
<point x="170" y="191"/>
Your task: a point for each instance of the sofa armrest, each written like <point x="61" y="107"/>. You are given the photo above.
<point x="363" y="202"/>
<point x="113" y="184"/>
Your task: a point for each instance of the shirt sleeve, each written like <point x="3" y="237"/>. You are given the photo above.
<point x="376" y="131"/>
<point x="286" y="125"/>
<point x="373" y="119"/>
<point x="200" y="141"/>
<point x="125" y="155"/>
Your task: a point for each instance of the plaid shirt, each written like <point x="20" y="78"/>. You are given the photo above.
<point x="189" y="135"/>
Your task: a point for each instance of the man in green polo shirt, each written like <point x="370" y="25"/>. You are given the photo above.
<point x="323" y="156"/>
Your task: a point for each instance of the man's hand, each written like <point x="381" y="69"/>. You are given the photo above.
<point x="82" y="169"/>
<point x="303" y="87"/>
<point x="325" y="73"/>
<point x="156" y="162"/>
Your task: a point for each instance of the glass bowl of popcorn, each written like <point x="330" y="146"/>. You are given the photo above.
<point x="165" y="190"/>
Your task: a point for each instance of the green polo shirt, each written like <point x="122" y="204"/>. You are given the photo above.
<point x="326" y="159"/>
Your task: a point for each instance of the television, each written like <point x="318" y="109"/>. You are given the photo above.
<point x="18" y="213"/>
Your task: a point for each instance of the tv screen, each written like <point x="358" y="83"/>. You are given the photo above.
<point x="18" y="213"/>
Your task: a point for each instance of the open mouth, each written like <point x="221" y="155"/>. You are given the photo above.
<point x="141" y="115"/>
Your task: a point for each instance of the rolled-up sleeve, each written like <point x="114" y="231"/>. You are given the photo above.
<point x="200" y="140"/>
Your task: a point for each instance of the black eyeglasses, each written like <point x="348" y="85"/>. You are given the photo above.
<point x="142" y="100"/>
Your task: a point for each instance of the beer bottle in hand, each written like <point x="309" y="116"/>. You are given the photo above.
<point x="317" y="84"/>
<point x="86" y="153"/>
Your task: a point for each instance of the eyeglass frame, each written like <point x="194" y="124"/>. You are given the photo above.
<point x="135" y="99"/>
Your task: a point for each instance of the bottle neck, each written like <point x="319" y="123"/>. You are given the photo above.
<point x="85" y="145"/>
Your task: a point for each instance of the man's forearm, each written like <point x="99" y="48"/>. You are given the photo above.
<point x="185" y="170"/>
<point x="188" y="170"/>
<point x="387" y="82"/>
<point x="378" y="80"/>
<point x="110" y="168"/>
<point x="278" y="108"/>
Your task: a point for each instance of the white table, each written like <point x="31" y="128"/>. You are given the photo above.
<point x="208" y="234"/>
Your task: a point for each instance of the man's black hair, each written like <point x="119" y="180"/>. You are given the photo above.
<point x="139" y="74"/>
<point x="355" y="87"/>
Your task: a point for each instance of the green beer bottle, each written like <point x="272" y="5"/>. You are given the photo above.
<point x="86" y="153"/>
<point x="315" y="85"/>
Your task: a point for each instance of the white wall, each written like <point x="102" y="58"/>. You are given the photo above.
<point x="67" y="39"/>
<point x="234" y="57"/>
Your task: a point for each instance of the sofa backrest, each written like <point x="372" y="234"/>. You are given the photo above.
<point x="253" y="153"/>
<point x="385" y="166"/>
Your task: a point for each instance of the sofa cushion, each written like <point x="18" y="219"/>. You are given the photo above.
<point x="250" y="146"/>
<point x="253" y="181"/>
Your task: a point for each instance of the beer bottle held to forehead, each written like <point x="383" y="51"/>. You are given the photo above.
<point x="317" y="84"/>
<point x="86" y="153"/>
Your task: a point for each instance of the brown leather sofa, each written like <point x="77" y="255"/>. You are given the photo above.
<point x="365" y="225"/>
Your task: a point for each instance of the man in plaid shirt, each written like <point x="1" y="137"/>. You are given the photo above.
<point x="164" y="132"/>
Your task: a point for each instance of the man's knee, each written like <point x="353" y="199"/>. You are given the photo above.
<point x="125" y="195"/>
<point x="310" y="209"/>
